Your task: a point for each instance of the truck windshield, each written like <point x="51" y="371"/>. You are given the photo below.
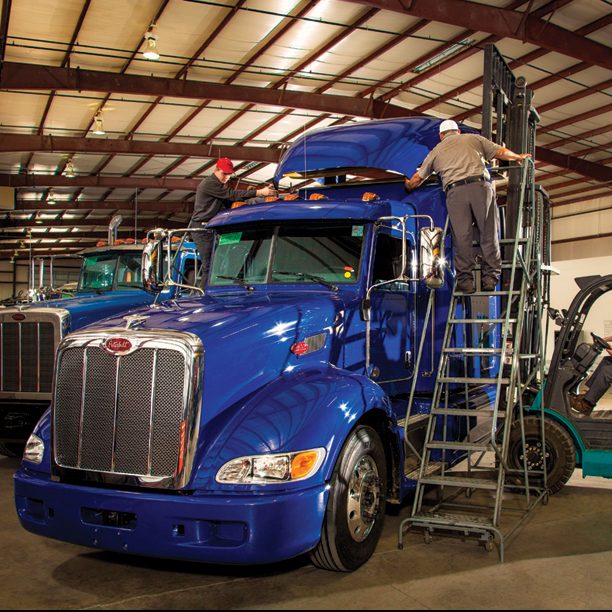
<point x="289" y="254"/>
<point x="111" y="271"/>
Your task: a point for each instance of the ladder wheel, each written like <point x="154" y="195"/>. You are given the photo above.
<point x="489" y="544"/>
<point x="428" y="539"/>
<point x="468" y="493"/>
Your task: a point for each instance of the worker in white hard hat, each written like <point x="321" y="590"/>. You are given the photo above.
<point x="459" y="162"/>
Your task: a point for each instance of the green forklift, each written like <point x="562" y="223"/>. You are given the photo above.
<point x="571" y="438"/>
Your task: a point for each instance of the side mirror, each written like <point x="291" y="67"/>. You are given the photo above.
<point x="152" y="272"/>
<point x="432" y="257"/>
<point x="365" y="309"/>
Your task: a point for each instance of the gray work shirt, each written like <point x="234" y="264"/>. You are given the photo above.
<point x="458" y="157"/>
<point x="212" y="196"/>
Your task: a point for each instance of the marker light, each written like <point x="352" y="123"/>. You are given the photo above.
<point x="270" y="469"/>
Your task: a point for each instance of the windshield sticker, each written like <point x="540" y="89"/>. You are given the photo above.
<point x="91" y="261"/>
<point x="357" y="230"/>
<point x="230" y="238"/>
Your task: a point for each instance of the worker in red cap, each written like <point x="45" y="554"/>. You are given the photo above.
<point x="213" y="195"/>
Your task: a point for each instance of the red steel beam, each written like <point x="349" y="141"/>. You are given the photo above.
<point x="505" y="23"/>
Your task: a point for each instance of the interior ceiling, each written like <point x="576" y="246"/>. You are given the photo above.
<point x="243" y="79"/>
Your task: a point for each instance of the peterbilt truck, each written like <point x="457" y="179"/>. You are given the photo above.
<point x="110" y="282"/>
<point x="266" y="418"/>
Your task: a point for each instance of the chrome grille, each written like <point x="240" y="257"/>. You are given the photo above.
<point x="120" y="414"/>
<point x="26" y="358"/>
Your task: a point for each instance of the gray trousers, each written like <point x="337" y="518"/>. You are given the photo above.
<point x="469" y="204"/>
<point x="599" y="382"/>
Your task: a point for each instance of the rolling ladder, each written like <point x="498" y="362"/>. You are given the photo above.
<point x="519" y="361"/>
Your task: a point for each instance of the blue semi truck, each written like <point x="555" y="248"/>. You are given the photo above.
<point x="267" y="418"/>
<point x="110" y="283"/>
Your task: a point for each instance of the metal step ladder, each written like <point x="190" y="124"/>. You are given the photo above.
<point x="468" y="364"/>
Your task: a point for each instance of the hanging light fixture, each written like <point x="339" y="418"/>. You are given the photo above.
<point x="51" y="197"/>
<point x="151" y="51"/>
<point x="99" y="127"/>
<point x="70" y="173"/>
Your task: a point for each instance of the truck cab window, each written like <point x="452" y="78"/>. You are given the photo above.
<point x="388" y="261"/>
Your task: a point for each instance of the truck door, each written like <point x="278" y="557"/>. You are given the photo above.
<point x="392" y="336"/>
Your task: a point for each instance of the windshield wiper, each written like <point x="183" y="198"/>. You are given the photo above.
<point x="240" y="282"/>
<point x="316" y="279"/>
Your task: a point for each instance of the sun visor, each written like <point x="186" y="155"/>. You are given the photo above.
<point x="396" y="145"/>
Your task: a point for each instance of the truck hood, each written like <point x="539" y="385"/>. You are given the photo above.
<point x="86" y="308"/>
<point x="247" y="338"/>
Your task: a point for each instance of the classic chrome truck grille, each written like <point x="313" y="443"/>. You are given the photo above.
<point x="27" y="352"/>
<point x="123" y="414"/>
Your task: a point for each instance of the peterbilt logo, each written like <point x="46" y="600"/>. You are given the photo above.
<point x="118" y="345"/>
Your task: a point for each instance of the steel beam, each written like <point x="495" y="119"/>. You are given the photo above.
<point x="505" y="23"/>
<point x="36" y="78"/>
<point x="20" y="142"/>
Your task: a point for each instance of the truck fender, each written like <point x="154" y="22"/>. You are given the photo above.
<point x="302" y="410"/>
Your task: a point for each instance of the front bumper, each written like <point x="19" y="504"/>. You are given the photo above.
<point x="239" y="529"/>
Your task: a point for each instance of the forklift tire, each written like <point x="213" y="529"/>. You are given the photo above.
<point x="12" y="449"/>
<point x="356" y="505"/>
<point x="560" y="453"/>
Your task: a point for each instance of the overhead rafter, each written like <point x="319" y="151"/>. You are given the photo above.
<point x="504" y="23"/>
<point x="19" y="142"/>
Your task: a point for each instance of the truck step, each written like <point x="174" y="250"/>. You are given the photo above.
<point x="435" y="467"/>
<point x="457" y="481"/>
<point x="483" y="321"/>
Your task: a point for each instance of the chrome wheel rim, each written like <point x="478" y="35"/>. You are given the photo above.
<point x="363" y="501"/>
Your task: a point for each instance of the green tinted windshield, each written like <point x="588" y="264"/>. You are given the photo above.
<point x="289" y="254"/>
<point x="111" y="271"/>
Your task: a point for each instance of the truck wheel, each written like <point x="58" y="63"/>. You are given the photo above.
<point x="356" y="506"/>
<point x="560" y="452"/>
<point x="12" y="449"/>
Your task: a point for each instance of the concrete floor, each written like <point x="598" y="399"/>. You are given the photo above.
<point x="560" y="558"/>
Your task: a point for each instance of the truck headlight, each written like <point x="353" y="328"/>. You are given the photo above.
<point x="269" y="469"/>
<point x="34" y="450"/>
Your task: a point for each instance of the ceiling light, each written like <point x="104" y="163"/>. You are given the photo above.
<point x="438" y="59"/>
<point x="99" y="129"/>
<point x="51" y="197"/>
<point x="70" y="173"/>
<point x="151" y="51"/>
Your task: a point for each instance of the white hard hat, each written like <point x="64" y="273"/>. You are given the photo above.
<point x="448" y="125"/>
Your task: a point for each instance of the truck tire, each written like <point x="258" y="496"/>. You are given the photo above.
<point x="355" y="509"/>
<point x="560" y="452"/>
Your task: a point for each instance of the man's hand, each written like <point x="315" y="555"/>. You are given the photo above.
<point x="414" y="182"/>
<point x="267" y="191"/>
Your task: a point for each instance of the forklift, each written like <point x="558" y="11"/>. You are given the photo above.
<point x="572" y="439"/>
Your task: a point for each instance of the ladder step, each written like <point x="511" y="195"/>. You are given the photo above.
<point x="476" y="381"/>
<point x="483" y="321"/>
<point x="475" y="351"/>
<point x="467" y="412"/>
<point x="444" y="518"/>
<point x="462" y="446"/>
<point x="454" y="481"/>
<point x="513" y="240"/>
<point x="516" y="292"/>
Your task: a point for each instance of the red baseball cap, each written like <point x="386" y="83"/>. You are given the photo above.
<point x="225" y="165"/>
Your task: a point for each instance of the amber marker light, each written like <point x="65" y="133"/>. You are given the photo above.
<point x="303" y="464"/>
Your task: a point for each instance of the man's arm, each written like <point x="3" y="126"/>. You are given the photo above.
<point x="508" y="155"/>
<point x="414" y="182"/>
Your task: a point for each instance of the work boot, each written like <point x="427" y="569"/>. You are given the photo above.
<point x="579" y="404"/>
<point x="465" y="289"/>
<point x="489" y="284"/>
